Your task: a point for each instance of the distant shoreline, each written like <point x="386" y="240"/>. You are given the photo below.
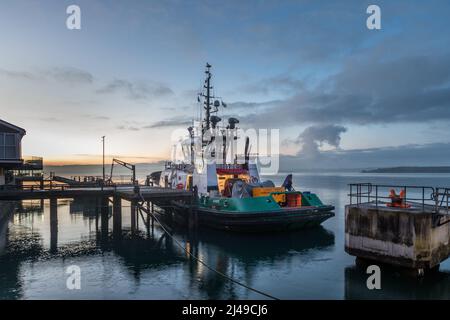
<point x="444" y="169"/>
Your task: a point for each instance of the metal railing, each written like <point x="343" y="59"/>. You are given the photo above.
<point x="116" y="179"/>
<point x="441" y="197"/>
<point x="49" y="185"/>
<point x="32" y="187"/>
<point x="424" y="196"/>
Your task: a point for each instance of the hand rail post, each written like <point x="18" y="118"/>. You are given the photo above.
<point x="423" y="198"/>
<point x="446" y="195"/>
<point x="406" y="195"/>
<point x="436" y="199"/>
<point x="376" y="195"/>
<point x="351" y="195"/>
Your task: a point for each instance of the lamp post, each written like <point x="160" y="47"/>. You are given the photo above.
<point x="103" y="142"/>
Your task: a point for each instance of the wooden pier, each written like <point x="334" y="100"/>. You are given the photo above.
<point x="143" y="199"/>
<point x="128" y="193"/>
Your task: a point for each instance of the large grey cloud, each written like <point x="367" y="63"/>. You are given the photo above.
<point x="283" y="83"/>
<point x="408" y="89"/>
<point x="367" y="90"/>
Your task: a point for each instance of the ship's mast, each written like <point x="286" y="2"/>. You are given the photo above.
<point x="207" y="96"/>
<point x="211" y="105"/>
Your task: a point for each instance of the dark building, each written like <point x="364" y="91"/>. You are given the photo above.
<point x="10" y="150"/>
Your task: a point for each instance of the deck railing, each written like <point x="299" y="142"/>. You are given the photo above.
<point x="378" y="194"/>
<point x="442" y="196"/>
<point x="32" y="187"/>
<point x="49" y="185"/>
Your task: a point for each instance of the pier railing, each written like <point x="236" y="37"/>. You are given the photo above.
<point x="442" y="196"/>
<point x="436" y="199"/>
<point x="34" y="187"/>
<point x="50" y="185"/>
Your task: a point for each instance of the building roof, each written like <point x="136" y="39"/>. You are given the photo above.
<point x="12" y="127"/>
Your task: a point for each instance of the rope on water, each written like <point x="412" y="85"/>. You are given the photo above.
<point x="140" y="207"/>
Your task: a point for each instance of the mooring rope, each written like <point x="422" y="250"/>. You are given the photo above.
<point x="201" y="261"/>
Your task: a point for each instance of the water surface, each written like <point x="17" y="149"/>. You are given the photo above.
<point x="309" y="264"/>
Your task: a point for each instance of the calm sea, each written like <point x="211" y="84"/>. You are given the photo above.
<point x="309" y="264"/>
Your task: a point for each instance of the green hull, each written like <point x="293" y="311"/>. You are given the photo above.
<point x="260" y="214"/>
<point x="265" y="221"/>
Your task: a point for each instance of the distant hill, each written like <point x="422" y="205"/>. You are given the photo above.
<point x="409" y="170"/>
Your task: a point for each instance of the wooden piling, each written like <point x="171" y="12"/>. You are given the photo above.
<point x="117" y="216"/>
<point x="133" y="216"/>
<point x="53" y="224"/>
<point x="104" y="212"/>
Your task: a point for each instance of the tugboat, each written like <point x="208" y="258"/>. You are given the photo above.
<point x="229" y="192"/>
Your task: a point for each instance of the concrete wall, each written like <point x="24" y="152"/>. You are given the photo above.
<point x="402" y="237"/>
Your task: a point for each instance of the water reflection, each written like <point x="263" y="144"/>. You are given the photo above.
<point x="242" y="255"/>
<point x="149" y="265"/>
<point x="397" y="285"/>
<point x="84" y="232"/>
<point x="18" y="248"/>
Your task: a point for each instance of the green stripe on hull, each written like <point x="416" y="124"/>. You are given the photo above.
<point x="242" y="204"/>
<point x="255" y="204"/>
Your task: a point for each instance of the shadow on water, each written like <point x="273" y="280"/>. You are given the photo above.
<point x="242" y="256"/>
<point x="13" y="250"/>
<point x="396" y="285"/>
<point x="252" y="248"/>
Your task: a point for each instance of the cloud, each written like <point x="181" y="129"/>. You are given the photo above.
<point x="136" y="90"/>
<point x="69" y="74"/>
<point x="129" y="128"/>
<point x="373" y="91"/>
<point x="96" y="117"/>
<point x="17" y="74"/>
<point x="100" y="117"/>
<point x="172" y="122"/>
<point x="280" y="83"/>
<point x="251" y="106"/>
<point x="314" y="136"/>
<point x="60" y="74"/>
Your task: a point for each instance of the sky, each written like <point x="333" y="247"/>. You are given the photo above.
<point x="341" y="94"/>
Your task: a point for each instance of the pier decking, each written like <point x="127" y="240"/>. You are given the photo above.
<point x="124" y="192"/>
<point x="143" y="200"/>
